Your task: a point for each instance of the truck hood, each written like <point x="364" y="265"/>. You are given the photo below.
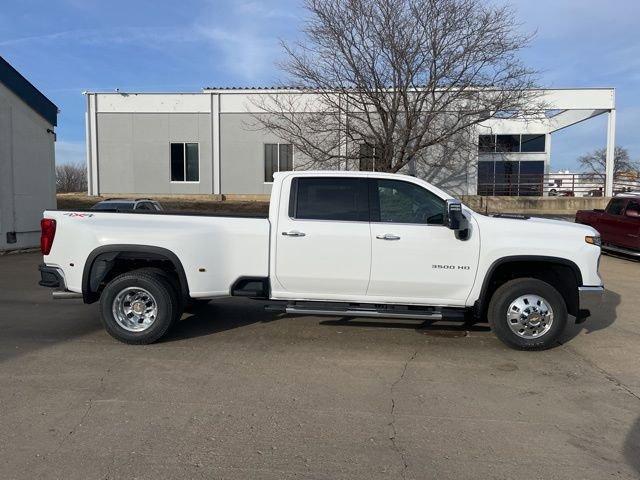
<point x="535" y="225"/>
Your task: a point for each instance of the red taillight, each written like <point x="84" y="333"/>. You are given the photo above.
<point x="48" y="229"/>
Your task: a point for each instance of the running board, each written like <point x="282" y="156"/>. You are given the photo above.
<point x="611" y="248"/>
<point x="363" y="313"/>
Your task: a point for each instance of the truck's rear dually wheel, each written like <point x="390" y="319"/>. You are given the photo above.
<point x="527" y="313"/>
<point x="138" y="307"/>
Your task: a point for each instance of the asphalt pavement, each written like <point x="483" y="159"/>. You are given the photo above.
<point x="236" y="392"/>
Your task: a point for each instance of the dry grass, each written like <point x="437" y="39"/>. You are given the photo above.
<point x="185" y="203"/>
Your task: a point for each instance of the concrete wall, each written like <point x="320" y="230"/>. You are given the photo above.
<point x="134" y="151"/>
<point x="533" y="205"/>
<point x="27" y="171"/>
<point x="242" y="155"/>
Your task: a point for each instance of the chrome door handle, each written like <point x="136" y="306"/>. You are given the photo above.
<point x="294" y="233"/>
<point x="388" y="236"/>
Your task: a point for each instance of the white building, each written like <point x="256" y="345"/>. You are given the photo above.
<point x="27" y="159"/>
<point x="202" y="143"/>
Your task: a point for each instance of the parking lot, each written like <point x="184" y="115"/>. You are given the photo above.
<point x="237" y="392"/>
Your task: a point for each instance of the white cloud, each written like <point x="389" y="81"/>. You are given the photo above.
<point x="118" y="35"/>
<point x="243" y="53"/>
<point x="70" y="152"/>
<point x="261" y="10"/>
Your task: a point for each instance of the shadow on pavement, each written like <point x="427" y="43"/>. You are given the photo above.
<point x="228" y="314"/>
<point x="632" y="446"/>
<point x="215" y="317"/>
<point x="29" y="318"/>
<point x="443" y="328"/>
<point x="600" y="319"/>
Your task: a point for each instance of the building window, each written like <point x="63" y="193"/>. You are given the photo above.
<point x="185" y="162"/>
<point x="278" y="157"/>
<point x="506" y="174"/>
<point x="509" y="178"/>
<point x="487" y="143"/>
<point x="533" y="143"/>
<point x="368" y="156"/>
<point x="515" y="143"/>
<point x="507" y="143"/>
<point x="531" y="179"/>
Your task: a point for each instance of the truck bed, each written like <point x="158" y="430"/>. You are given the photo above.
<point x="214" y="249"/>
<point x="191" y="213"/>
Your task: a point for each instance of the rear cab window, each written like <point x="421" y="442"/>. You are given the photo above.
<point x="329" y="198"/>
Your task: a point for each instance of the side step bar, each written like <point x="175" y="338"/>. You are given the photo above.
<point x="612" y="248"/>
<point x="369" y="310"/>
<point x="364" y="313"/>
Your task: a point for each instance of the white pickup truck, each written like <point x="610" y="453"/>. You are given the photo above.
<point x="334" y="243"/>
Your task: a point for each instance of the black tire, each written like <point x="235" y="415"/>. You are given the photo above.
<point x="514" y="289"/>
<point x="166" y="300"/>
<point x="172" y="283"/>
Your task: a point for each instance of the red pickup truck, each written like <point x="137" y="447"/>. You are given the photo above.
<point x="618" y="224"/>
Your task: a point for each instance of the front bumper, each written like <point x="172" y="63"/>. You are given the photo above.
<point x="590" y="298"/>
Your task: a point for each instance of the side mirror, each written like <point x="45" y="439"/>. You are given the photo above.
<point x="456" y="220"/>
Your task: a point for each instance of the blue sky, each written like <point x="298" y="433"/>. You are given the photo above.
<point x="66" y="47"/>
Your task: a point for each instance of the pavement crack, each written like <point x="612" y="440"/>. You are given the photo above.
<point x="75" y="427"/>
<point x="608" y="376"/>
<point x="85" y="413"/>
<point x="392" y="423"/>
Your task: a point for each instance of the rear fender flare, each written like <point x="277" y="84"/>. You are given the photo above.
<point x="98" y="265"/>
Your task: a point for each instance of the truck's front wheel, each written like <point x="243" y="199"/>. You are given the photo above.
<point x="527" y="313"/>
<point x="138" y="307"/>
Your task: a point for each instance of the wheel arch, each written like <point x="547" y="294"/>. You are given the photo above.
<point x="561" y="273"/>
<point x="101" y="261"/>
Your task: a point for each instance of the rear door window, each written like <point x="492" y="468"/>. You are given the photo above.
<point x="329" y="198"/>
<point x="633" y="207"/>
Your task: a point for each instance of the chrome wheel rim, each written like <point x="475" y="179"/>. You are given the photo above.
<point x="135" y="309"/>
<point x="530" y="316"/>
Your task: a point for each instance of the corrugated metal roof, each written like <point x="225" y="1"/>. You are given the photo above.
<point x="270" y="87"/>
<point x="24" y="89"/>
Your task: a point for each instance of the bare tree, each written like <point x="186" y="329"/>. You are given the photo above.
<point x="391" y="78"/>
<point x="594" y="163"/>
<point x="71" y="177"/>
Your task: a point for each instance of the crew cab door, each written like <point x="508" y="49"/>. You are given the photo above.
<point x="629" y="236"/>
<point x="415" y="258"/>
<point x="323" y="241"/>
<point x="610" y="222"/>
